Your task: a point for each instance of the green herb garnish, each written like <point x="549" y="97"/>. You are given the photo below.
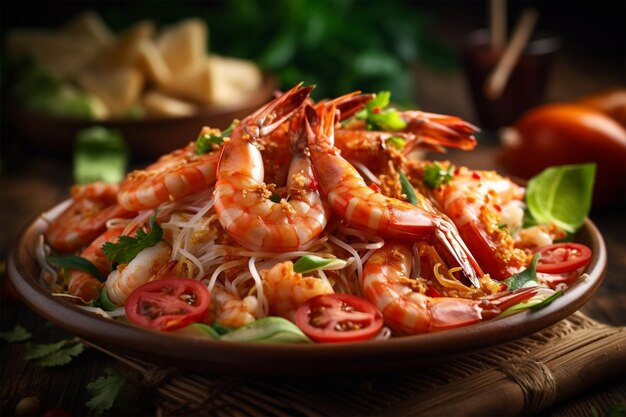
<point x="547" y="301"/>
<point x="396" y="142"/>
<point x="78" y="263"/>
<point x="128" y="247"/>
<point x="53" y="354"/>
<point x="561" y="195"/>
<point x="378" y="117"/>
<point x="526" y="278"/>
<point x="435" y="175"/>
<point x="17" y="334"/>
<point x="105" y="390"/>
<point x="407" y="189"/>
<point x="310" y="263"/>
<point x="207" y="142"/>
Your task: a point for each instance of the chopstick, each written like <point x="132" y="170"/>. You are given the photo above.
<point x="496" y="82"/>
<point x="497" y="21"/>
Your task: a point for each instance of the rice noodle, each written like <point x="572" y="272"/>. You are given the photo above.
<point x="262" y="306"/>
<point x="366" y="171"/>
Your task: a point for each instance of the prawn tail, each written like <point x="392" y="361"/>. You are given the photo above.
<point x="457" y="251"/>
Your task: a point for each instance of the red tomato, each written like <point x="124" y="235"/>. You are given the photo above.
<point x="339" y="318"/>
<point x="559" y="134"/>
<point x="562" y="258"/>
<point x="168" y="304"/>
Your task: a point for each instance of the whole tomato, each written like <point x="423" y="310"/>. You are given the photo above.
<point x="559" y="134"/>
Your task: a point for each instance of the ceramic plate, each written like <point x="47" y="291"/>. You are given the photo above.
<point x="288" y="359"/>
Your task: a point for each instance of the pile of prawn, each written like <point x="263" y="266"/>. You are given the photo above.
<point x="297" y="178"/>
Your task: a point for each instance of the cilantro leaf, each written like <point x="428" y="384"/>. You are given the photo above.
<point x="407" y="188"/>
<point x="77" y="263"/>
<point x="208" y="140"/>
<point x="18" y="334"/>
<point x="436" y="175"/>
<point x="526" y="278"/>
<point x="128" y="247"/>
<point x="53" y="354"/>
<point x="105" y="390"/>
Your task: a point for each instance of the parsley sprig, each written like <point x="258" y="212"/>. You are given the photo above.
<point x="128" y="247"/>
<point x="378" y="117"/>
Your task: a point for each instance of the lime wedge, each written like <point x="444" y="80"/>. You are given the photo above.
<point x="562" y="195"/>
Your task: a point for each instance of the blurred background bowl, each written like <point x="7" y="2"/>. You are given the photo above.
<point x="148" y="138"/>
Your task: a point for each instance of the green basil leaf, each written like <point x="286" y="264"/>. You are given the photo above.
<point x="310" y="263"/>
<point x="407" y="189"/>
<point x="526" y="278"/>
<point x="268" y="329"/>
<point x="78" y="263"/>
<point x="561" y="195"/>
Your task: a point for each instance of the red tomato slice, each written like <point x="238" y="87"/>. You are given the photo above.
<point x="339" y="318"/>
<point x="563" y="257"/>
<point x="168" y="304"/>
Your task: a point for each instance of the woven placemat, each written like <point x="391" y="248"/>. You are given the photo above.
<point x="518" y="378"/>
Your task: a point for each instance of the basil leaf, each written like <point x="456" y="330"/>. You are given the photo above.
<point x="310" y="263"/>
<point x="407" y="189"/>
<point x="561" y="195"/>
<point x="268" y="329"/>
<point x="100" y="155"/>
<point x="77" y="263"/>
<point x="526" y="278"/>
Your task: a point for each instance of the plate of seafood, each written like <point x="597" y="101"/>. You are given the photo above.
<point x="306" y="239"/>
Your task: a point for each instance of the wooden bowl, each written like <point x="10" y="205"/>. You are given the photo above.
<point x="147" y="138"/>
<point x="237" y="358"/>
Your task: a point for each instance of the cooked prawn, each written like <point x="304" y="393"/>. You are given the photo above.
<point x="85" y="219"/>
<point x="174" y="176"/>
<point x="486" y="208"/>
<point x="405" y="307"/>
<point x="359" y="205"/>
<point x="145" y="266"/>
<point x="231" y="310"/>
<point x="83" y="284"/>
<point x="286" y="290"/>
<point x="243" y="201"/>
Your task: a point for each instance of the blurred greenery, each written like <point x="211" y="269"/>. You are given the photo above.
<point x="100" y="154"/>
<point x="339" y="45"/>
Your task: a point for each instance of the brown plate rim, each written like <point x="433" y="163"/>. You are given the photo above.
<point x="281" y="359"/>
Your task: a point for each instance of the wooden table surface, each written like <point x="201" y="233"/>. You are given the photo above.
<point x="32" y="182"/>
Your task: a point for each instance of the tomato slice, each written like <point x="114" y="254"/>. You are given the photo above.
<point x="563" y="257"/>
<point x="339" y="318"/>
<point x="168" y="304"/>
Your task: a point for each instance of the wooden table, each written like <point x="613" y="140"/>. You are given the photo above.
<point x="32" y="182"/>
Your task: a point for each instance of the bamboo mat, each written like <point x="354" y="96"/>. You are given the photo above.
<point x="522" y="377"/>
